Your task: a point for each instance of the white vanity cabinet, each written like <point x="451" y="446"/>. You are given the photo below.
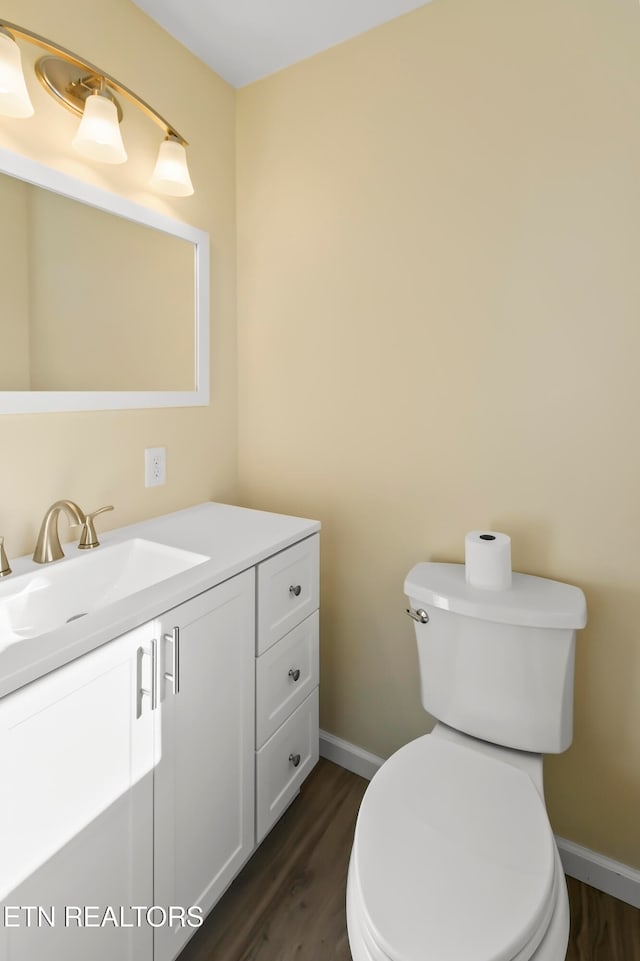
<point x="286" y="677"/>
<point x="129" y="780"/>
<point x="145" y="771"/>
<point x="76" y="798"/>
<point x="204" y="779"/>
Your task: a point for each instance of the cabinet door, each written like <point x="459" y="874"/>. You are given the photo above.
<point x="76" y="807"/>
<point x="204" y="778"/>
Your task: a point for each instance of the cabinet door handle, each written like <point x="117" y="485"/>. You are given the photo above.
<point x="294" y="673"/>
<point x="174" y="675"/>
<point x="294" y="759"/>
<point x="295" y="589"/>
<point x="145" y="691"/>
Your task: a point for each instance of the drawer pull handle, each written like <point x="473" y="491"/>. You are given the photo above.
<point x="295" y="590"/>
<point x="295" y="759"/>
<point x="294" y="673"/>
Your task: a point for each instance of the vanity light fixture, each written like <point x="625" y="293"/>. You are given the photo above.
<point x="171" y="169"/>
<point x="14" y="96"/>
<point x="98" y="136"/>
<point x="88" y="92"/>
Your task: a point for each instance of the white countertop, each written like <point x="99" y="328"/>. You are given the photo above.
<point x="232" y="538"/>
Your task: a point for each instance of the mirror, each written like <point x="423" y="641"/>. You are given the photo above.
<point x="104" y="302"/>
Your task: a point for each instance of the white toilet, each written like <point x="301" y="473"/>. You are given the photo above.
<point x="454" y="858"/>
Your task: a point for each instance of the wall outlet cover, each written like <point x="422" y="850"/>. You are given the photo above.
<point x="155" y="466"/>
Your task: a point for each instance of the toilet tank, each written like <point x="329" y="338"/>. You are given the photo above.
<point x="498" y="664"/>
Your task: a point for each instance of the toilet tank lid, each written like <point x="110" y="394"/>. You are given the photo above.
<point x="529" y="602"/>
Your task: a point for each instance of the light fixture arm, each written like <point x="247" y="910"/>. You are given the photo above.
<point x="14" y="30"/>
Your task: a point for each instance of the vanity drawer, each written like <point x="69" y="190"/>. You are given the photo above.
<point x="288" y="590"/>
<point x="285" y="674"/>
<point x="284" y="762"/>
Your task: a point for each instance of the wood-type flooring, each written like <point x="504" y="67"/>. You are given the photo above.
<point x="288" y="902"/>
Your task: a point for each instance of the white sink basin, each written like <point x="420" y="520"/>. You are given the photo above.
<point x="36" y="603"/>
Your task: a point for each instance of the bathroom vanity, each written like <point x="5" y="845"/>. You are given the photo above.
<point x="149" y="745"/>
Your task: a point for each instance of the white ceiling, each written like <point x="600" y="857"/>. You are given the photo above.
<point x="243" y="40"/>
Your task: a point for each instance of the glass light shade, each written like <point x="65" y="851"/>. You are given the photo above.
<point x="171" y="173"/>
<point x="14" y="97"/>
<point x="98" y="136"/>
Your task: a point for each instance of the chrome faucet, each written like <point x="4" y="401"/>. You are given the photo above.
<point x="48" y="547"/>
<point x="4" y="563"/>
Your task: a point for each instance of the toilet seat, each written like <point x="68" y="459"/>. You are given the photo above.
<point x="552" y="946"/>
<point x="453" y="858"/>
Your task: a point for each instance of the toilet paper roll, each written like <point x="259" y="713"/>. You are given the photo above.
<point x="487" y="560"/>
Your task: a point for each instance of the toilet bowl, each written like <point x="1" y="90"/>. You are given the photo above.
<point x="454" y="859"/>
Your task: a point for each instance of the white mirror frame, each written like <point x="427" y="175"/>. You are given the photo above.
<point x="46" y="401"/>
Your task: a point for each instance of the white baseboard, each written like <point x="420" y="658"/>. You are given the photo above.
<point x="349" y="756"/>
<point x="614" y="878"/>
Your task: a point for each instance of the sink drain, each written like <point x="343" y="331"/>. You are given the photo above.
<point x="74" y="617"/>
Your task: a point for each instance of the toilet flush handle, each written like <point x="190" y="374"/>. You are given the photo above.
<point x="420" y="615"/>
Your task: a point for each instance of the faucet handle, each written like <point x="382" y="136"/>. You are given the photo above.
<point x="4" y="563"/>
<point x="88" y="537"/>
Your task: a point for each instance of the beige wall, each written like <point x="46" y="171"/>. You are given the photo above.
<point x="97" y="458"/>
<point x="439" y="226"/>
<point x="14" y="284"/>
